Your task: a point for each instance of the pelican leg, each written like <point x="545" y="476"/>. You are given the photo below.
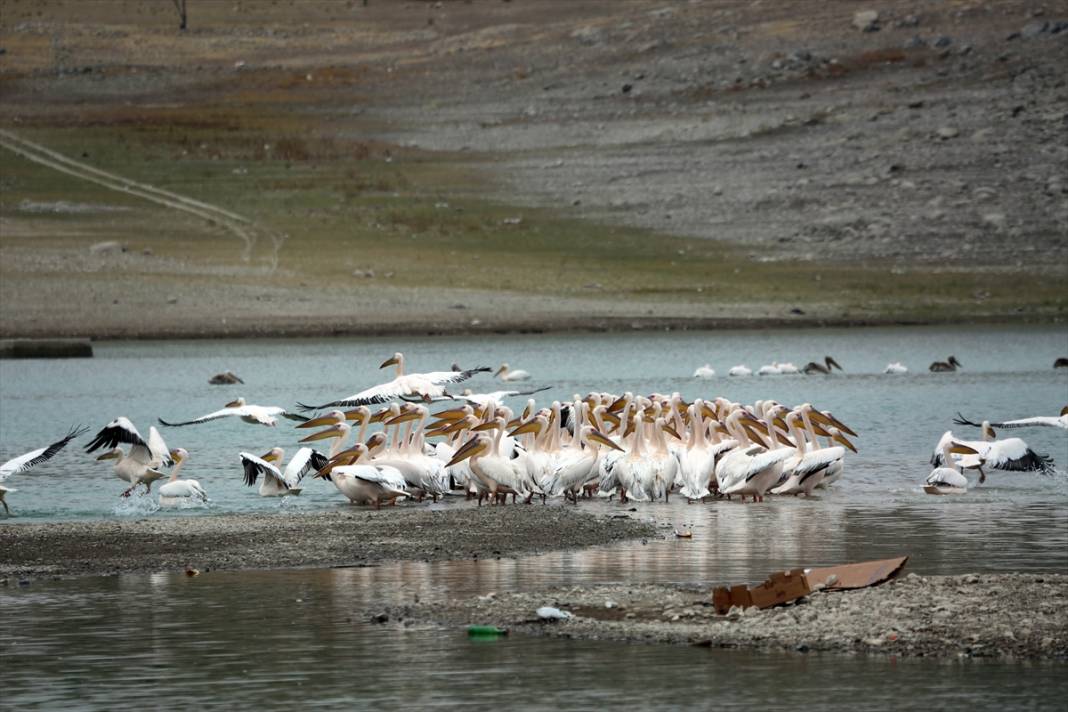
<point x="378" y="505"/>
<point x="127" y="491"/>
<point x="982" y="475"/>
<point x="6" y="510"/>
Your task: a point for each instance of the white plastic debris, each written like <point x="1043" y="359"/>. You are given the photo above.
<point x="548" y="613"/>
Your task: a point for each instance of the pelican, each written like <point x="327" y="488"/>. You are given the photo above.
<point x="365" y="483"/>
<point x="496" y="397"/>
<point x="771" y="369"/>
<point x="275" y="482"/>
<point x="808" y="468"/>
<point x="750" y="469"/>
<point x="36" y="457"/>
<point x="740" y="371"/>
<point x="788" y="369"/>
<point x="496" y="473"/>
<point x="895" y="368"/>
<point x="507" y="375"/>
<point x="1011" y="454"/>
<point x="424" y="385"/>
<point x="175" y="492"/>
<point x="705" y="371"/>
<point x="1061" y="362"/>
<point x="950" y="364"/>
<point x="254" y="414"/>
<point x="140" y="466"/>
<point x="1047" y="421"/>
<point x="824" y="368"/>
<point x="948" y="479"/>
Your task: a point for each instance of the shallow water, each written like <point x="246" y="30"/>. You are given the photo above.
<point x="287" y="637"/>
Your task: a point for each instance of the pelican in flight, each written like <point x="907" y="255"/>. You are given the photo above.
<point x="507" y="375"/>
<point x="896" y="368"/>
<point x="254" y="414"/>
<point x="32" y="459"/>
<point x="424" y="385"/>
<point x="950" y="364"/>
<point x="740" y="371"/>
<point x="496" y="397"/>
<point x="275" y="482"/>
<point x="175" y="492"/>
<point x="824" y="368"/>
<point x="948" y="479"/>
<point x="705" y="371"/>
<point x="1047" y="421"/>
<point x="1011" y="454"/>
<point x="141" y="465"/>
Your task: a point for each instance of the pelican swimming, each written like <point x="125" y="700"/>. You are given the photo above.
<point x="950" y="364"/>
<point x="771" y="369"/>
<point x="141" y="465"/>
<point x="177" y="493"/>
<point x="705" y="371"/>
<point x="895" y="368"/>
<point x="947" y="479"/>
<point x="424" y="385"/>
<point x="1011" y="454"/>
<point x="275" y="482"/>
<point x="506" y="374"/>
<point x="32" y="459"/>
<point x="825" y="368"/>
<point x="740" y="371"/>
<point x="254" y="414"/>
<point x="1047" y="421"/>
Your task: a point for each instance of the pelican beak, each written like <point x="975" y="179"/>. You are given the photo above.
<point x="380" y="416"/>
<point x="270" y="457"/>
<point x="392" y="361"/>
<point x="784" y="440"/>
<point x="318" y="422"/>
<point x="960" y="449"/>
<point x="471" y="448"/>
<point x="110" y="455"/>
<point x="599" y="437"/>
<point x="451" y="414"/>
<point x="709" y="413"/>
<point x="359" y="414"/>
<point x="233" y="404"/>
<point x="618" y="404"/>
<point x="630" y="428"/>
<point x="781" y="424"/>
<point x="530" y="427"/>
<point x="842" y="426"/>
<point x="492" y="425"/>
<point x="499" y="371"/>
<point x="611" y="418"/>
<point x="322" y="435"/>
<point x="404" y="418"/>
<point x="526" y="412"/>
<point x="754" y="436"/>
<point x="671" y="431"/>
<point x="175" y="455"/>
<point x="839" y="438"/>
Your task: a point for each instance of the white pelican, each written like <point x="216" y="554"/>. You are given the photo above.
<point x="496" y="397"/>
<point x="275" y="482"/>
<point x="496" y="473"/>
<point x="817" y="367"/>
<point x="740" y="370"/>
<point x="177" y="493"/>
<point x="424" y="385"/>
<point x="36" y="457"/>
<point x="705" y="371"/>
<point x="788" y="368"/>
<point x="365" y="483"/>
<point x="1011" y="454"/>
<point x="895" y="368"/>
<point x="507" y="375"/>
<point x="4" y="491"/>
<point x="1046" y="421"/>
<point x="140" y="466"/>
<point x="750" y="469"/>
<point x="950" y="364"/>
<point x="807" y="469"/>
<point x="771" y="369"/>
<point x="254" y="414"/>
<point x="948" y="479"/>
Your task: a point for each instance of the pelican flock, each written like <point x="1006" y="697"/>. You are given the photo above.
<point x="623" y="446"/>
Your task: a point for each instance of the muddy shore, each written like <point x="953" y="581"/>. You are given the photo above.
<point x="257" y="541"/>
<point x="1018" y="616"/>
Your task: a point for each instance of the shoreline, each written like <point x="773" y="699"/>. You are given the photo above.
<point x="285" y="328"/>
<point x="322" y="539"/>
<point x="1004" y="616"/>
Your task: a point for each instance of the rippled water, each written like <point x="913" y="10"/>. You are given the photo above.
<point x="288" y="637"/>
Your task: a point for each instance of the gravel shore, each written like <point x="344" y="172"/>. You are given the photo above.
<point x="1020" y="616"/>
<point x="281" y="541"/>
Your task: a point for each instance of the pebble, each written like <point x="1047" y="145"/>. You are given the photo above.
<point x="866" y="20"/>
<point x="1034" y="29"/>
<point x="947" y="132"/>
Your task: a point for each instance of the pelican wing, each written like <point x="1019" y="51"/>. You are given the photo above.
<point x="36" y="457"/>
<point x="947" y="477"/>
<point x="765" y="460"/>
<point x="817" y="461"/>
<point x="254" y="467"/>
<point x="387" y="477"/>
<point x="429" y="384"/>
<point x="1013" y="454"/>
<point x="223" y="413"/>
<point x="120" y="430"/>
<point x="304" y="461"/>
<point x="1038" y="421"/>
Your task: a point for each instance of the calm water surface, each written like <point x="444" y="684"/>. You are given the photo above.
<point x="288" y="637"/>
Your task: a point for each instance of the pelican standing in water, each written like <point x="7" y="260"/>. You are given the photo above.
<point x="254" y="414"/>
<point x="275" y="482"/>
<point x="32" y="459"/>
<point x="506" y="374"/>
<point x="141" y="465"/>
<point x="179" y="493"/>
<point x="427" y="386"/>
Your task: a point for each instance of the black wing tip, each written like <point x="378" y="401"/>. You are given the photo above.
<point x="961" y="420"/>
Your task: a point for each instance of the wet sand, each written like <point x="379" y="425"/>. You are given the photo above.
<point x="257" y="541"/>
<point x="1018" y="616"/>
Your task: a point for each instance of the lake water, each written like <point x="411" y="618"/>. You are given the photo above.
<point x="280" y="638"/>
